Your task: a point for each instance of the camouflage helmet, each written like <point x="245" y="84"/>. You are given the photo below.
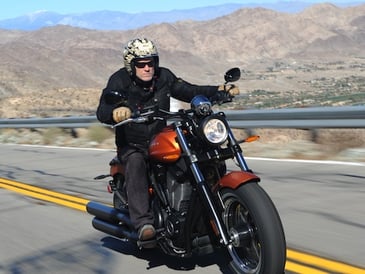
<point x="139" y="48"/>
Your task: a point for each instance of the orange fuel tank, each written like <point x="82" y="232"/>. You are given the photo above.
<point x="164" y="147"/>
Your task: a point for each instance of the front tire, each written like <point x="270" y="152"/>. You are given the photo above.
<point x="256" y="231"/>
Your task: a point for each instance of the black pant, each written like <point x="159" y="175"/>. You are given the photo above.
<point x="135" y="172"/>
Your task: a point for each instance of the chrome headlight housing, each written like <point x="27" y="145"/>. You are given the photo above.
<point x="201" y="105"/>
<point x="214" y="130"/>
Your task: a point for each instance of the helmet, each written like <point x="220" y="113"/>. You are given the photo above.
<point x="138" y="49"/>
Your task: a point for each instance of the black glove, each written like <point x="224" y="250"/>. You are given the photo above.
<point x="221" y="97"/>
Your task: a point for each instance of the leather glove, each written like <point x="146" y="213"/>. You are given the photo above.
<point x="121" y="114"/>
<point x="231" y="89"/>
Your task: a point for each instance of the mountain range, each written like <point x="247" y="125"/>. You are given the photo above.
<point x="60" y="70"/>
<point x="117" y="20"/>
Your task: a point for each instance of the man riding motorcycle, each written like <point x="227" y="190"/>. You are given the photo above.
<point x="143" y="83"/>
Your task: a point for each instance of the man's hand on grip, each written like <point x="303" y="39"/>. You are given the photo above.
<point x="231" y="89"/>
<point x="121" y="114"/>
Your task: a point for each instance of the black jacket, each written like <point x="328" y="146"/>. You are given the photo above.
<point x="166" y="85"/>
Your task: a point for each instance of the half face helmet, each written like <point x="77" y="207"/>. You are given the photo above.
<point x="136" y="49"/>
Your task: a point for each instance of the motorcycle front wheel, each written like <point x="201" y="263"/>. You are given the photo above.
<point x="255" y="229"/>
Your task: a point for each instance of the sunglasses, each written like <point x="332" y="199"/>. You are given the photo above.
<point x="143" y="64"/>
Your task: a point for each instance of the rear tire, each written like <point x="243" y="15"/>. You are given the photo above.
<point x="256" y="230"/>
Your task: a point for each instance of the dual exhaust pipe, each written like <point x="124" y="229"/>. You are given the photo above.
<point x="118" y="224"/>
<point x="112" y="221"/>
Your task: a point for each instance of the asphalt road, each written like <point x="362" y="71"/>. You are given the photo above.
<point x="321" y="205"/>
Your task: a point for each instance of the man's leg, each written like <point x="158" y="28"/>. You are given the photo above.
<point x="137" y="188"/>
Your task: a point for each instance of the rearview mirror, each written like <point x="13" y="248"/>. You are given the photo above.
<point x="232" y="75"/>
<point x="114" y="97"/>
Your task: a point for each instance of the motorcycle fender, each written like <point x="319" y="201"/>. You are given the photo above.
<point x="116" y="168"/>
<point x="234" y="179"/>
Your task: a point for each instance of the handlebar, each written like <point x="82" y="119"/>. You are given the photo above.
<point x="138" y="120"/>
<point x="153" y="113"/>
<point x="148" y="116"/>
<point x="221" y="97"/>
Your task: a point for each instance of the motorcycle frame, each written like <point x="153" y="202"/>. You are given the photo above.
<point x="213" y="206"/>
<point x="231" y="180"/>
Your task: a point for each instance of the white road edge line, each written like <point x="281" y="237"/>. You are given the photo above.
<point x="251" y="158"/>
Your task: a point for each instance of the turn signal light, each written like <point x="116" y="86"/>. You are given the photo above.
<point x="252" y="138"/>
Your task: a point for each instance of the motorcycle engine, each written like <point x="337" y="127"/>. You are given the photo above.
<point x="178" y="187"/>
<point x="178" y="190"/>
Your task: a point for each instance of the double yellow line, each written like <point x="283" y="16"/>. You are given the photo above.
<point x="297" y="262"/>
<point x="45" y="195"/>
<point x="300" y="262"/>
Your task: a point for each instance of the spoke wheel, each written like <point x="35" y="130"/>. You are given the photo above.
<point x="246" y="249"/>
<point x="256" y="233"/>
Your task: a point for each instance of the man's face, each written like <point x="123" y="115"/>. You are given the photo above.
<point x="145" y="69"/>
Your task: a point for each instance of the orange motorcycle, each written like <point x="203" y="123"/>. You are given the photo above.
<point x="200" y="205"/>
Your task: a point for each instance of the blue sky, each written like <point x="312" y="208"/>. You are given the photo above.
<point x="11" y="9"/>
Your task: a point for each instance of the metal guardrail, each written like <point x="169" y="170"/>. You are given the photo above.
<point x="62" y="122"/>
<point x="304" y="118"/>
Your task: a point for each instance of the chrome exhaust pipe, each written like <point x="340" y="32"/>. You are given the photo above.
<point x="118" y="231"/>
<point x="109" y="214"/>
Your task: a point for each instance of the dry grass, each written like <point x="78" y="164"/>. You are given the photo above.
<point x="98" y="133"/>
<point x="328" y="144"/>
<point x="306" y="144"/>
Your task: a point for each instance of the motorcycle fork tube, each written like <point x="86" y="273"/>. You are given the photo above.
<point x="202" y="187"/>
<point x="238" y="152"/>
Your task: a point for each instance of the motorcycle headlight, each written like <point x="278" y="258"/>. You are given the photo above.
<point x="215" y="131"/>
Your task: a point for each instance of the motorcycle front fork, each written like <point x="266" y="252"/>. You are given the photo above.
<point x="202" y="187"/>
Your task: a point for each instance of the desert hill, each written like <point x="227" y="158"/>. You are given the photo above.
<point x="60" y="70"/>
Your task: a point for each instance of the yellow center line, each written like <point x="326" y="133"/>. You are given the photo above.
<point x="301" y="269"/>
<point x="323" y="263"/>
<point x="312" y="263"/>
<point x="46" y="195"/>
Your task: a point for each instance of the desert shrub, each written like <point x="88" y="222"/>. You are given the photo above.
<point x="341" y="139"/>
<point x="51" y="134"/>
<point x="99" y="133"/>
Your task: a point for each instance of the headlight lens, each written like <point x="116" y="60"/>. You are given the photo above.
<point x="215" y="131"/>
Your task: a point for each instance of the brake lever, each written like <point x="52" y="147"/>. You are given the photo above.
<point x="137" y="120"/>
